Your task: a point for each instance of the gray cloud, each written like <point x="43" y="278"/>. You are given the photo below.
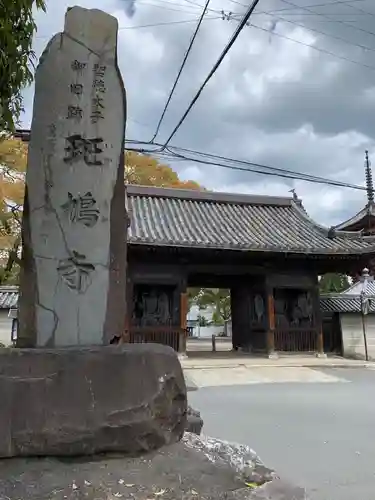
<point x="129" y="7"/>
<point x="273" y="101"/>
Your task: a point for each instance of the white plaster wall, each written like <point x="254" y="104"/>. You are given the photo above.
<point x="5" y="327"/>
<point x="208" y="331"/>
<point x="352" y="335"/>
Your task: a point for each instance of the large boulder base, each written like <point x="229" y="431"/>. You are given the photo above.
<point x="82" y="401"/>
<point x="175" y="472"/>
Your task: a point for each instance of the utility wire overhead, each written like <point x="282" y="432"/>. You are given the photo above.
<point x="313" y="47"/>
<point x="192" y="40"/>
<point x="327" y="16"/>
<point x="285" y="9"/>
<point x="360" y="10"/>
<point x="167" y="23"/>
<point x="171" y="153"/>
<point x="278" y="173"/>
<point x="214" y="69"/>
<point x="314" y="30"/>
<point x="142" y="2"/>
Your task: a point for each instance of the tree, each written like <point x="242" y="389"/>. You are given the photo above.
<point x="17" y="28"/>
<point x="13" y="159"/>
<point x="147" y="171"/>
<point x="333" y="283"/>
<point x="219" y="299"/>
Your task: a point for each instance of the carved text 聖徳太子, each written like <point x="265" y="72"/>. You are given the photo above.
<point x="97" y="108"/>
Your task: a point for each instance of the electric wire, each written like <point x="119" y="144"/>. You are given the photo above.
<point x="192" y="40"/>
<point x="172" y="153"/>
<point x="318" y="49"/>
<point x="325" y="4"/>
<point x="314" y="30"/>
<point x="338" y="21"/>
<point x="152" y="25"/>
<point x="234" y="37"/>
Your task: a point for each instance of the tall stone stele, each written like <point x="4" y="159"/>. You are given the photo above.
<point x="72" y="289"/>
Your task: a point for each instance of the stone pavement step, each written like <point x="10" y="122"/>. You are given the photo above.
<point x="267" y="375"/>
<point x="217" y="362"/>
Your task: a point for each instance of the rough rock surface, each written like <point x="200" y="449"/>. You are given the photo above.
<point x="72" y="289"/>
<point x="176" y="472"/>
<point x="194" y="421"/>
<point x="81" y="401"/>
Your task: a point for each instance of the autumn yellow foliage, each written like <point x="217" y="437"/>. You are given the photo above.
<point x="147" y="171"/>
<point x="139" y="169"/>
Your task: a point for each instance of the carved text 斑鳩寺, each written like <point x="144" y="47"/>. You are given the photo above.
<point x="82" y="208"/>
<point x="79" y="148"/>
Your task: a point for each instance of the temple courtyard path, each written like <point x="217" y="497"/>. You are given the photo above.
<point x="315" y="426"/>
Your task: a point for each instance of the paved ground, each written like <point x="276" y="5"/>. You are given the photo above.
<point x="317" y="430"/>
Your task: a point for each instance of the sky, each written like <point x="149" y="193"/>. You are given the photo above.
<point x="296" y="91"/>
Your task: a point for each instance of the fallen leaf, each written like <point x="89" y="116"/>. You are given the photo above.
<point x="74" y="486"/>
<point x="129" y="485"/>
<point x="87" y="483"/>
<point x="121" y="481"/>
<point x="194" y="492"/>
<point x="251" y="485"/>
<point x="118" y="495"/>
<point x="161" y="492"/>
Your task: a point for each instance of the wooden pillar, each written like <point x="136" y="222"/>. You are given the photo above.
<point x="318" y="323"/>
<point x="270" y="334"/>
<point x="183" y="323"/>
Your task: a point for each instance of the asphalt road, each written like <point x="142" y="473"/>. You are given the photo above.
<point x="319" y="435"/>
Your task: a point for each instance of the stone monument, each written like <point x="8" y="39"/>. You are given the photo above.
<point x="72" y="290"/>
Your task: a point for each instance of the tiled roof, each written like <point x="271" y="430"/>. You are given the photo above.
<point x="344" y="304"/>
<point x="367" y="211"/>
<point x="184" y="218"/>
<point x="356" y="289"/>
<point x="8" y="297"/>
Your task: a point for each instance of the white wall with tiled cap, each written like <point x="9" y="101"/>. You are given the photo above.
<point x="352" y="335"/>
<point x="5" y="327"/>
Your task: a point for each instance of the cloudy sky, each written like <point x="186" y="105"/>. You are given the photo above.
<point x="296" y="91"/>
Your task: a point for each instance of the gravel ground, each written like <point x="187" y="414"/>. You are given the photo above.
<point x="178" y="472"/>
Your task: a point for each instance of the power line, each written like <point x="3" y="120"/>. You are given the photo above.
<point x="339" y="21"/>
<point x="281" y="18"/>
<point x="168" y="23"/>
<point x="274" y="170"/>
<point x="142" y="2"/>
<point x="213" y="71"/>
<point x="325" y="4"/>
<point x="172" y="153"/>
<point x="361" y="10"/>
<point x="323" y="51"/>
<point x="181" y="67"/>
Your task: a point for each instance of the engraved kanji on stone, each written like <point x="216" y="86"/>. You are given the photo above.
<point x="76" y="272"/>
<point x="76" y="88"/>
<point x="75" y="112"/>
<point x="78" y="66"/>
<point x="79" y="148"/>
<point x="96" y="109"/>
<point x="99" y="70"/>
<point x="99" y="86"/>
<point x="82" y="208"/>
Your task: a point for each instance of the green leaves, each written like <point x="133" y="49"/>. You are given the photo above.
<point x="333" y="283"/>
<point x="17" y="28"/>
<point x="217" y="298"/>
